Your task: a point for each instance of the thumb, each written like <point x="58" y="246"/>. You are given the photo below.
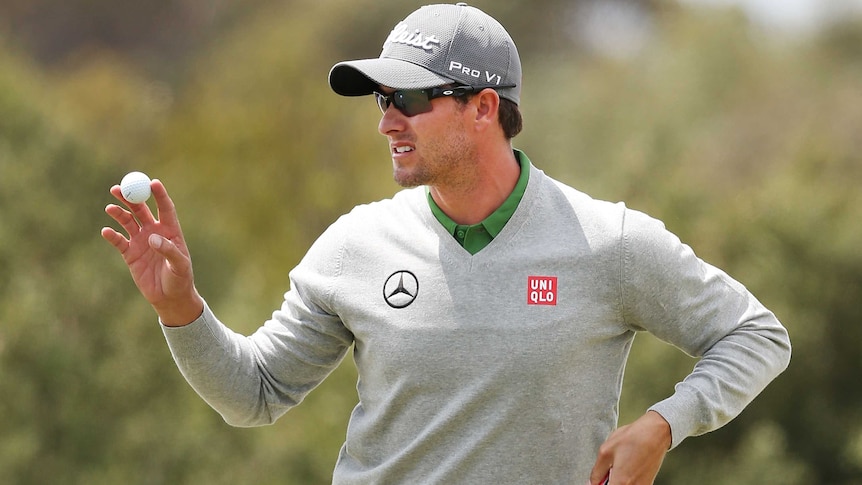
<point x="178" y="262"/>
<point x="156" y="242"/>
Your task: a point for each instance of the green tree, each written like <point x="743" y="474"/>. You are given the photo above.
<point x="747" y="148"/>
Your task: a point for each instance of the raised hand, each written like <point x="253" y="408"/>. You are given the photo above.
<point x="157" y="256"/>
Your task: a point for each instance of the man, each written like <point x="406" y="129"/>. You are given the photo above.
<point x="491" y="308"/>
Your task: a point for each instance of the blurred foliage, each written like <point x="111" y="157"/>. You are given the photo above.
<point x="746" y="146"/>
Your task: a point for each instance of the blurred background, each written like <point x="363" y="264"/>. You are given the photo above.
<point x="736" y="123"/>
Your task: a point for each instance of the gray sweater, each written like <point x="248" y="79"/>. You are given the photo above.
<point x="503" y="367"/>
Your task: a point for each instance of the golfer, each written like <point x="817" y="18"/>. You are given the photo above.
<point x="490" y="308"/>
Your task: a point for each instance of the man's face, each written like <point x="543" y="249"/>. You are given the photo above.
<point x="430" y="148"/>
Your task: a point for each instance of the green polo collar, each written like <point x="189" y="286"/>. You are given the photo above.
<point x="475" y="237"/>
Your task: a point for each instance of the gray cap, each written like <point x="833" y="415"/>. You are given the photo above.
<point x="433" y="46"/>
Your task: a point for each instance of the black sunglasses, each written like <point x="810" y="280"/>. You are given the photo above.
<point x="412" y="102"/>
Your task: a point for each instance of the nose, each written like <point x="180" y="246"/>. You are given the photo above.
<point x="392" y="121"/>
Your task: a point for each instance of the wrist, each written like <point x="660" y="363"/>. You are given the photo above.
<point x="179" y="313"/>
<point x="662" y="428"/>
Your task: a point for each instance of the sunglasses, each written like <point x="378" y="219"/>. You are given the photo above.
<point x="412" y="102"/>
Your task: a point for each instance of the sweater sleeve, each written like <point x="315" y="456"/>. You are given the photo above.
<point x="253" y="380"/>
<point x="682" y="300"/>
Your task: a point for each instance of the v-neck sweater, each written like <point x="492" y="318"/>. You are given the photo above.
<point x="503" y="367"/>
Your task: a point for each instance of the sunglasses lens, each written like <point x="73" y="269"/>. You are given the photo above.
<point x="382" y="101"/>
<point x="411" y="103"/>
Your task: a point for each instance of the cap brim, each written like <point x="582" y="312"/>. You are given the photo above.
<point x="364" y="76"/>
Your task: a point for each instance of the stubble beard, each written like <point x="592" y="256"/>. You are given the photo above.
<point x="449" y="164"/>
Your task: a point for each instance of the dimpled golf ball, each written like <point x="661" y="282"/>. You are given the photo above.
<point x="135" y="187"/>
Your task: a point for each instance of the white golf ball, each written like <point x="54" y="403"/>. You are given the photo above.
<point x="135" y="187"/>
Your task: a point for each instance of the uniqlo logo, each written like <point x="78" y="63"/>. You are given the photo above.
<point x="541" y="290"/>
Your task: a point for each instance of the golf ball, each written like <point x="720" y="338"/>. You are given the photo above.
<point x="135" y="187"/>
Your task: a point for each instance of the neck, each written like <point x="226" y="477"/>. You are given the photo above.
<point x="495" y="177"/>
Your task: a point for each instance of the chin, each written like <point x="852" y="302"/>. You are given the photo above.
<point x="406" y="183"/>
<point x="408" y="178"/>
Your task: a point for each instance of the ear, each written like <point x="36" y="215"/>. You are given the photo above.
<point x="487" y="103"/>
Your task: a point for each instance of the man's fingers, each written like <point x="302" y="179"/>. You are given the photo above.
<point x="164" y="204"/>
<point x="123" y="218"/>
<point x="141" y="211"/>
<point x="603" y="478"/>
<point x="179" y="263"/>
<point x="602" y="468"/>
<point x="116" y="239"/>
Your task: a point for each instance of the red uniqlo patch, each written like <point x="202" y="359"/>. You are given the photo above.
<point x="541" y="290"/>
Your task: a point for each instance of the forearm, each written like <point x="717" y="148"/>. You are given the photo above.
<point x="728" y="376"/>
<point x="251" y="381"/>
<point x="218" y="364"/>
<point x="670" y="292"/>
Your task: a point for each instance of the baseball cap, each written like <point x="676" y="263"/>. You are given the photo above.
<point x="437" y="45"/>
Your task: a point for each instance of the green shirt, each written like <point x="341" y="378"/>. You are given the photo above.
<point x="475" y="237"/>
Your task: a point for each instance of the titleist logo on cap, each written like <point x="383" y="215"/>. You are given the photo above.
<point x="400" y="35"/>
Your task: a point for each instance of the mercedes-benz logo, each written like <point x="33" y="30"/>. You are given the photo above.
<point x="400" y="289"/>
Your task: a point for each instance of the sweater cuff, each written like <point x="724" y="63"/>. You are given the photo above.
<point x="194" y="339"/>
<point x="681" y="412"/>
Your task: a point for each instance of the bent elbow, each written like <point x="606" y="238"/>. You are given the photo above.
<point x="248" y="420"/>
<point x="785" y="350"/>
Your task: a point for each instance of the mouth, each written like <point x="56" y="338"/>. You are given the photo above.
<point x="401" y="148"/>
